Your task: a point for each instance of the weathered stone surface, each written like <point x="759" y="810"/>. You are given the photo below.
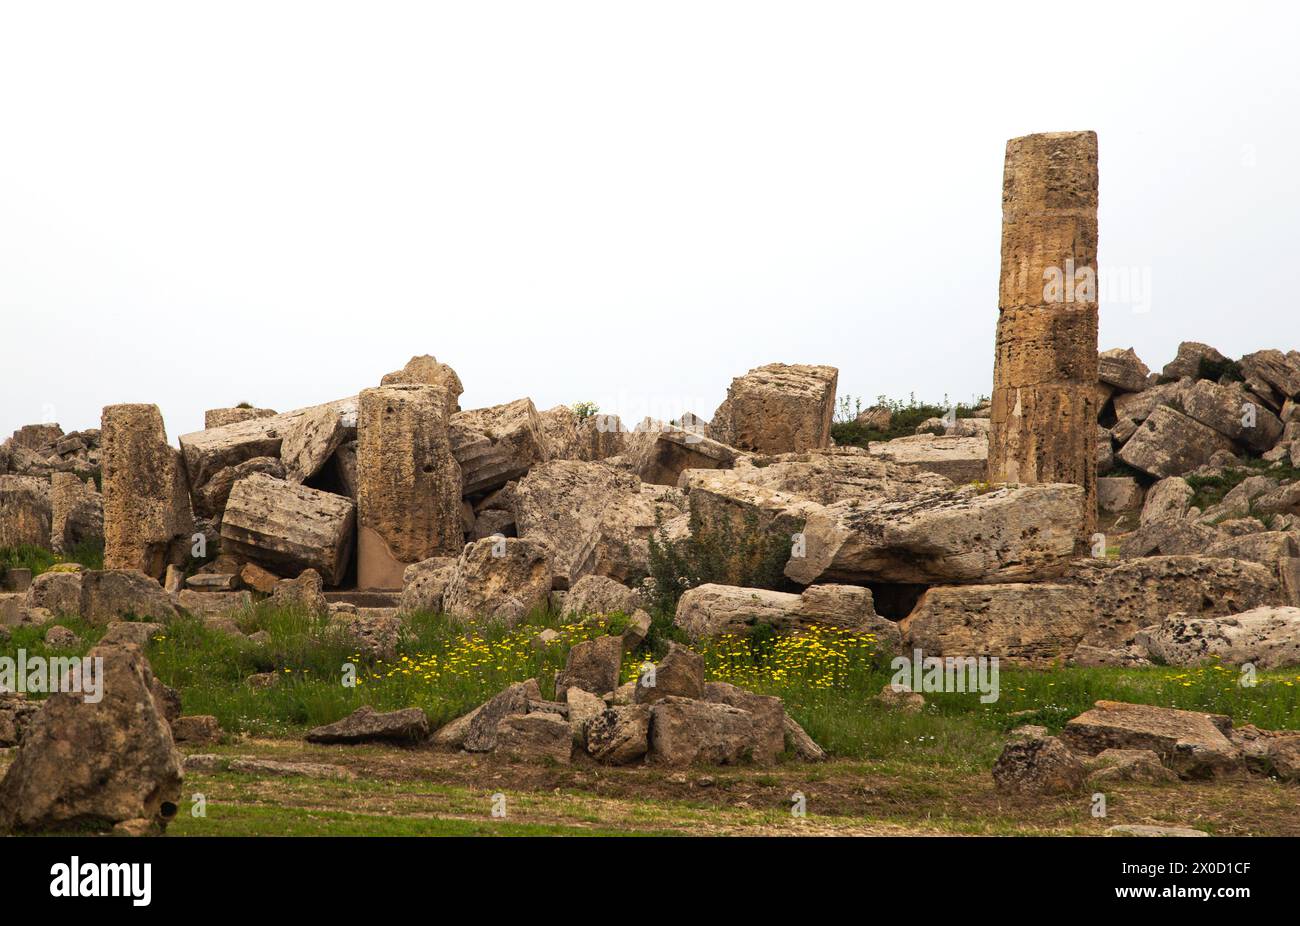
<point x="1232" y="412"/>
<point x="1022" y="624"/>
<point x="138" y="633"/>
<point x="1277" y="550"/>
<point x="61" y="638"/>
<point x="147" y="516"/>
<point x="495" y="445"/>
<point x="1045" y="368"/>
<point x="686" y="732"/>
<point x="1011" y="534"/>
<point x="214" y="605"/>
<point x="310" y="441"/>
<point x="800" y="743"/>
<point x="209" y="451"/>
<point x="288" y="528"/>
<point x="534" y="736"/>
<point x="211" y="498"/>
<point x="582" y="707"/>
<point x="95" y="765"/>
<point x="111" y="594"/>
<point x="501" y="580"/>
<point x="425" y="582"/>
<point x="768" y="717"/>
<point x="1169" y="443"/>
<point x="1111" y="765"/>
<point x="619" y="735"/>
<point x="1157" y="832"/>
<point x="592" y="665"/>
<point x="1169" y="537"/>
<point x="600" y="437"/>
<point x="1117" y="494"/>
<point x="954" y="456"/>
<point x="481" y="733"/>
<point x="196" y="729"/>
<point x="1193" y="744"/>
<point x="1188" y="360"/>
<point x="76" y="510"/>
<point x="1267" y="637"/>
<point x="17" y="713"/>
<point x="560" y="433"/>
<point x="425" y="370"/>
<point x="1122" y="369"/>
<point x="220" y="417"/>
<point x="1275" y="369"/>
<point x="1168" y="498"/>
<point x="778" y="408"/>
<point x="594" y="594"/>
<point x="25" y="511"/>
<point x="712" y="610"/>
<point x="595" y="518"/>
<point x="1043" y="765"/>
<point x="1137" y="593"/>
<point x="834" y="474"/>
<point x="373" y="632"/>
<point x="409" y="483"/>
<point x="257" y="578"/>
<point x="305" y="593"/>
<point x="366" y="725"/>
<point x="59" y="592"/>
<point x="679" y="674"/>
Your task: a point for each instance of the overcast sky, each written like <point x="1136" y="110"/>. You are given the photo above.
<point x="203" y="204"/>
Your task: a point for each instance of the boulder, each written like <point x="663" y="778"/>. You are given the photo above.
<point x="58" y="592"/>
<point x="374" y="632"/>
<point x="16" y="715"/>
<point x="595" y="518"/>
<point x="25" y="511"/>
<point x="619" y="735"/>
<point x="1275" y="369"/>
<point x="481" y="732"/>
<point x="1232" y="412"/>
<point x="408" y="483"/>
<point x="665" y="453"/>
<point x="220" y="417"/>
<point x="76" y="512"/>
<point x="1169" y="537"/>
<point x="768" y="717"/>
<point x="1279" y="551"/>
<point x="499" y="579"/>
<point x="679" y="674"/>
<point x="1017" y="533"/>
<point x="778" y="408"/>
<point x="1193" y="744"/>
<point x="197" y="729"/>
<point x="1168" y="498"/>
<point x="1040" y="765"/>
<point x="111" y="594"/>
<point x="424" y="583"/>
<point x="1117" y="494"/>
<point x="288" y="528"/>
<point x="496" y="445"/>
<point x="61" y="638"/>
<point x="310" y="441"/>
<point x="595" y="594"/>
<point x="1122" y="369"/>
<point x="425" y="370"/>
<point x="138" y="633"/>
<point x="711" y="610"/>
<point x="599" y="438"/>
<point x="1169" y="443"/>
<point x="304" y="593"/>
<point x="1111" y="765"/>
<point x="582" y="707"/>
<point x="94" y="765"/>
<point x="258" y="579"/>
<point x="686" y="732"/>
<point x="1267" y="637"/>
<point x="560" y="432"/>
<point x="537" y="735"/>
<point x="1190" y="358"/>
<point x="592" y="666"/>
<point x="1022" y="624"/>
<point x="366" y="725"/>
<point x="800" y="743"/>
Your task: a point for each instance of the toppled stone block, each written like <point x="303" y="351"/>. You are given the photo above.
<point x="77" y="512"/>
<point x="712" y="610"/>
<point x="538" y="735"/>
<point x="959" y="458"/>
<point x="778" y="408"/>
<point x="592" y="665"/>
<point x="499" y="579"/>
<point x="1193" y="744"/>
<point x="25" y="511"/>
<point x="1169" y="443"/>
<point x="288" y="528"/>
<point x="111" y="594"/>
<point x="496" y="445"/>
<point x="425" y="370"/>
<point x="366" y="725"/>
<point x="1041" y="765"/>
<point x="1267" y="637"/>
<point x="685" y="732"/>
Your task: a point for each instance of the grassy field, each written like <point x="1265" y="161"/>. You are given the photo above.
<point x="890" y="771"/>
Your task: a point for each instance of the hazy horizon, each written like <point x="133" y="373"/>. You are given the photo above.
<point x="279" y="203"/>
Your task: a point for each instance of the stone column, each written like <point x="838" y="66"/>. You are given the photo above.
<point x="148" y="522"/>
<point x="408" y="483"/>
<point x="1044" y="426"/>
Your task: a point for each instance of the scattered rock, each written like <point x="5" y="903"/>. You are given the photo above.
<point x="365" y="725"/>
<point x="1043" y="765"/>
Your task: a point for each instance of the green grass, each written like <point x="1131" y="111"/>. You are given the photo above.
<point x="1210" y="490"/>
<point x="38" y="559"/>
<point x="846" y="431"/>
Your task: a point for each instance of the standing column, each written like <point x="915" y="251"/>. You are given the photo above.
<point x="408" y="483"/>
<point x="1044" y="426"/>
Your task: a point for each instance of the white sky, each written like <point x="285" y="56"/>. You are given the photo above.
<point x="202" y="204"/>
